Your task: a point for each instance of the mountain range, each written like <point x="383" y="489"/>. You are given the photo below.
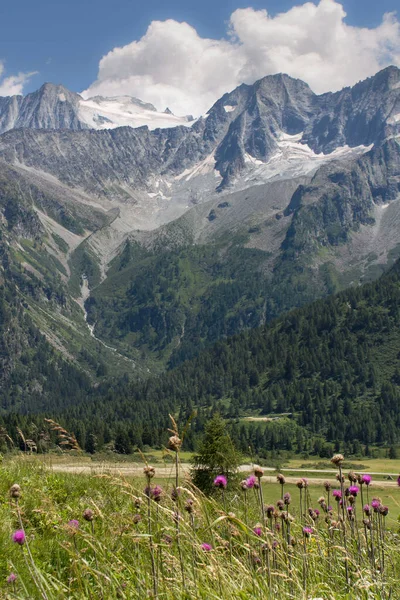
<point x="134" y="239"/>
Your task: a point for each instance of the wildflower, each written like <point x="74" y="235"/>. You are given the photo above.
<point x="317" y="512"/>
<point x="189" y="505"/>
<point x="384" y="510"/>
<point x="220" y="482"/>
<point x="350" y="509"/>
<point x="258" y="472"/>
<point x="330" y="508"/>
<point x="176" y="492"/>
<point x="321" y="500"/>
<point x="354" y="489"/>
<point x="149" y="471"/>
<point x="367" y="509"/>
<point x="327" y="485"/>
<point x="206" y="547"/>
<point x="337" y="494"/>
<point x="88" y="514"/>
<point x="305" y="482"/>
<point x="287" y="498"/>
<point x="352" y="477"/>
<point x="275" y="544"/>
<point x="300" y="484"/>
<point x="366" y="479"/>
<point x="19" y="537"/>
<point x="243" y="484"/>
<point x="342" y="479"/>
<point x="367" y="523"/>
<point x="174" y="443"/>
<point x="15" y="491"/>
<point x="307" y="531"/>
<point x="156" y="493"/>
<point x="337" y="459"/>
<point x="73" y="524"/>
<point x="280" y="504"/>
<point x="11" y="578"/>
<point x="277" y="527"/>
<point x="352" y="499"/>
<point x="280" y="479"/>
<point x="270" y="509"/>
<point x="258" y="531"/>
<point x="251" y="481"/>
<point x="375" y="504"/>
<point x="312" y="514"/>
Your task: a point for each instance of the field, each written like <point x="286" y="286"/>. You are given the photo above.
<point x="138" y="545"/>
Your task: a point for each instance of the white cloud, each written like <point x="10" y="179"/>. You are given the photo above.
<point x="171" y="65"/>
<point x="14" y="84"/>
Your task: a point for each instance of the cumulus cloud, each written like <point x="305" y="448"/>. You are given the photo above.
<point x="171" y="65"/>
<point x="14" y="84"/>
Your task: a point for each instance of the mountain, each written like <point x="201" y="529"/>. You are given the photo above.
<point x="168" y="239"/>
<point x="55" y="107"/>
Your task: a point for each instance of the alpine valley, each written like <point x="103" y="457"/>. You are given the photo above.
<point x="135" y="242"/>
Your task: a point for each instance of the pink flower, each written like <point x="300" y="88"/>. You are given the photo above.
<point x="73" y="524"/>
<point x="19" y="537"/>
<point x="353" y="489"/>
<point x="366" y="479"/>
<point x="251" y="481"/>
<point x="206" y="547"/>
<point x="220" y="481"/>
<point x="11" y="578"/>
<point x="337" y="494"/>
<point x="308" y="531"/>
<point x="258" y="531"/>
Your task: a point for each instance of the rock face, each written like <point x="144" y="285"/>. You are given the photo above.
<point x="277" y="196"/>
<point x="246" y="124"/>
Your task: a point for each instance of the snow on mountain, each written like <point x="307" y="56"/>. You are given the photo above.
<point x="108" y="113"/>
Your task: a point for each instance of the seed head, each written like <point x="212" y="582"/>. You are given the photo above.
<point x="280" y="479"/>
<point x="352" y="477"/>
<point x="243" y="484"/>
<point x="15" y="491"/>
<point x="384" y="510"/>
<point x="189" y="505"/>
<point x="327" y="485"/>
<point x="300" y="484"/>
<point x="88" y="514"/>
<point x="174" y="443"/>
<point x="149" y="471"/>
<point x="337" y="459"/>
<point x="280" y="504"/>
<point x="270" y="509"/>
<point x="258" y="472"/>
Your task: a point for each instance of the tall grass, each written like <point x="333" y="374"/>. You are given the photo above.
<point x="224" y="547"/>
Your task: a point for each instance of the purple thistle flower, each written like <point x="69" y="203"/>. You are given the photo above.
<point x="19" y="537"/>
<point x="317" y="512"/>
<point x="258" y="531"/>
<point x="384" y="510"/>
<point x="307" y="531"/>
<point x="337" y="494"/>
<point x="287" y="498"/>
<point x="330" y="508"/>
<point x="366" y="479"/>
<point x="156" y="493"/>
<point x="251" y="481"/>
<point x="220" y="482"/>
<point x="206" y="547"/>
<point x="354" y="489"/>
<point x="398" y="481"/>
<point x="375" y="504"/>
<point x="11" y="578"/>
<point x="367" y="509"/>
<point x="74" y="524"/>
<point x="349" y="509"/>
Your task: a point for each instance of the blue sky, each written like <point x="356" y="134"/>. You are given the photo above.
<point x="64" y="42"/>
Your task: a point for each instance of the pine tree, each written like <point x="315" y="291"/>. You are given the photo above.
<point x="217" y="455"/>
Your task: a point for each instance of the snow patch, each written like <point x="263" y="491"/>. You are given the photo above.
<point x="205" y="166"/>
<point x="122" y="111"/>
<point x="61" y="97"/>
<point x="394" y="119"/>
<point x="229" y="108"/>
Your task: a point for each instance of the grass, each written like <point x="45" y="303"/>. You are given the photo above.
<point x="140" y="548"/>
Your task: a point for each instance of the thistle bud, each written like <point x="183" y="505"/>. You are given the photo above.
<point x="337" y="459"/>
<point x="258" y="472"/>
<point x="88" y="514"/>
<point x="149" y="471"/>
